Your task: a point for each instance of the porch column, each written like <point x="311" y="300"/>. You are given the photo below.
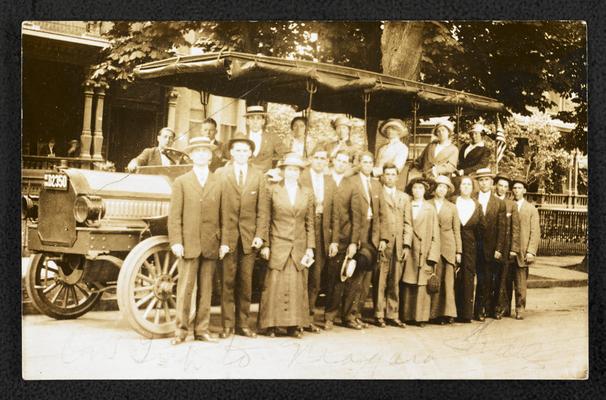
<point x="173" y="95"/>
<point x="98" y="134"/>
<point x="85" y="137"/>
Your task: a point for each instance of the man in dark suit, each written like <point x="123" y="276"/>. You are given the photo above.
<point x="242" y="216"/>
<point x="193" y="231"/>
<point x="510" y="248"/>
<point x="346" y="239"/>
<point x="366" y="205"/>
<point x="474" y="155"/>
<point x="209" y="130"/>
<point x="396" y="234"/>
<point x="492" y="234"/>
<point x="529" y="239"/>
<point x="266" y="147"/>
<point x="323" y="188"/>
<point x="155" y="155"/>
<point x="49" y="149"/>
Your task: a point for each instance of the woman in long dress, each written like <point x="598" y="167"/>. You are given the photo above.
<point x="289" y="225"/>
<point x="469" y="212"/>
<point x="394" y="151"/>
<point x="443" y="306"/>
<point x="440" y="157"/>
<point x="424" y="254"/>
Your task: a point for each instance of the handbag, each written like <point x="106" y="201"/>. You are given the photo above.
<point x="433" y="283"/>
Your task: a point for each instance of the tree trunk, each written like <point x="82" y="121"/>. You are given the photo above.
<point x="402" y="48"/>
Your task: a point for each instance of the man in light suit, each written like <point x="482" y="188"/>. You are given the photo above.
<point x="323" y="188"/>
<point x="492" y="235"/>
<point x="530" y="236"/>
<point x="193" y="232"/>
<point x="396" y="235"/>
<point x="366" y="206"/>
<point x="266" y="147"/>
<point x="510" y="248"/>
<point x="155" y="155"/>
<point x="242" y="215"/>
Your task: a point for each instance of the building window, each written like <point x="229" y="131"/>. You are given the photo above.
<point x="226" y="132"/>
<point x="196" y="117"/>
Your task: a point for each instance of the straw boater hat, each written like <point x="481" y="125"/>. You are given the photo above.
<point x="519" y="179"/>
<point x="394" y="123"/>
<point x="240" y="137"/>
<point x="446" y="181"/>
<point x="424" y="181"/>
<point x="477" y="127"/>
<point x="255" y="110"/>
<point x="198" y="143"/>
<point x="292" y="160"/>
<point x="341" y="121"/>
<point x="447" y="124"/>
<point x="347" y="268"/>
<point x="483" y="173"/>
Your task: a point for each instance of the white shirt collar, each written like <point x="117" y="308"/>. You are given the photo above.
<point x="337" y="177"/>
<point x="201" y="174"/>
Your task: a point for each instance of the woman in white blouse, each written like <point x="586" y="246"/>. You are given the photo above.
<point x="469" y="212"/>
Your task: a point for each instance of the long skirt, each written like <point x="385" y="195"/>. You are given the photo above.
<point x="284" y="300"/>
<point x="464" y="288"/>
<point x="443" y="302"/>
<point x="415" y="303"/>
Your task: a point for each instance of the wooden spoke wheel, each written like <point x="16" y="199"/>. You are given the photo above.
<point x="147" y="288"/>
<point x="54" y="284"/>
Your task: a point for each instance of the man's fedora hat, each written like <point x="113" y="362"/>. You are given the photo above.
<point x="292" y="160"/>
<point x="199" y="142"/>
<point x="240" y="137"/>
<point x="365" y="258"/>
<point x="502" y="175"/>
<point x="483" y="173"/>
<point x="394" y="123"/>
<point x="444" y="180"/>
<point x="347" y="268"/>
<point x="341" y="121"/>
<point x="519" y="179"/>
<point x="255" y="110"/>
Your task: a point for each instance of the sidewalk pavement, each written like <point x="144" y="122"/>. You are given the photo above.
<point x="547" y="272"/>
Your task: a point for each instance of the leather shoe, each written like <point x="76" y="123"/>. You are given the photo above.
<point x="295" y="332"/>
<point x="519" y="315"/>
<point x="421" y="324"/>
<point x="396" y="323"/>
<point x="353" y="325"/>
<point x="227" y="332"/>
<point x="380" y="322"/>
<point x="205" y="337"/>
<point x="328" y="325"/>
<point x="480" y="318"/>
<point x="177" y="340"/>
<point x="246" y="332"/>
<point x="498" y="316"/>
<point x="363" y="324"/>
<point x="270" y="332"/>
<point x="312" y="328"/>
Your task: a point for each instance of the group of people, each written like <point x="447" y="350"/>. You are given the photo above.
<point x="437" y="251"/>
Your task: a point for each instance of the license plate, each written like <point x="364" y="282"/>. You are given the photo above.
<point x="55" y="181"/>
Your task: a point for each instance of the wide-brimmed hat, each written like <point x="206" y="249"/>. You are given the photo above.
<point x="347" y="268"/>
<point x="341" y="121"/>
<point x="483" y="173"/>
<point x="199" y="142"/>
<point x="447" y="124"/>
<point x="240" y="137"/>
<point x="292" y="160"/>
<point x="444" y="180"/>
<point x="519" y="179"/>
<point x="365" y="258"/>
<point x="502" y="175"/>
<point x="424" y="181"/>
<point x="394" y="123"/>
<point x="255" y="110"/>
<point x="477" y="127"/>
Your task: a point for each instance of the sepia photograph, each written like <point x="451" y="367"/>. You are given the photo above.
<point x="295" y="199"/>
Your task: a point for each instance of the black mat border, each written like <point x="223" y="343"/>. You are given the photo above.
<point x="13" y="13"/>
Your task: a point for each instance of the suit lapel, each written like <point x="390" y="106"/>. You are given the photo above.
<point x="231" y="177"/>
<point x="193" y="180"/>
<point x="283" y="193"/>
<point x="388" y="198"/>
<point x="420" y="221"/>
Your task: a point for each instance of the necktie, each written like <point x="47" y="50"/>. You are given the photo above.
<point x="241" y="178"/>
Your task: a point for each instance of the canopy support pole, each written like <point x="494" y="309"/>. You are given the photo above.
<point x="311" y="88"/>
<point x="366" y="98"/>
<point x="458" y="112"/>
<point x="204" y="97"/>
<point x="415" y="109"/>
